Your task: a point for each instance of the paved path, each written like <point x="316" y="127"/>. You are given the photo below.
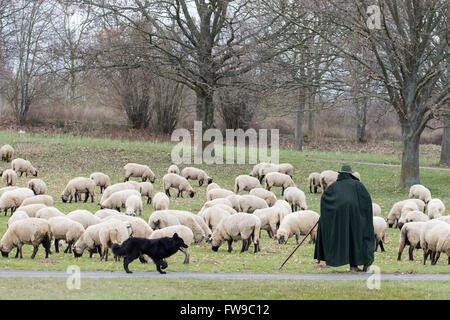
<point x="230" y="276"/>
<point x="375" y="163"/>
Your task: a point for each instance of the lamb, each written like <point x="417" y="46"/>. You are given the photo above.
<point x="396" y="210"/>
<point x="146" y="190"/>
<point x="279" y="180"/>
<point x="133" y="205"/>
<point x="245" y="183"/>
<point x="49" y="212"/>
<point x="173" y="169"/>
<point x="297" y="223"/>
<point x="296" y="198"/>
<point x="314" y="181"/>
<point x="103" y="213"/>
<point x="138" y="171"/>
<point x="379" y="228"/>
<point x="18" y="215"/>
<point x="162" y="219"/>
<point x="327" y="177"/>
<point x="118" y="199"/>
<point x="161" y="201"/>
<point x="187" y="218"/>
<point x="77" y="186"/>
<point x="267" y="195"/>
<point x="410" y="234"/>
<point x="213" y="216"/>
<point x="285" y="168"/>
<point x="420" y="192"/>
<point x="86" y="218"/>
<point x="31" y="209"/>
<point x="65" y="229"/>
<point x="9" y="177"/>
<point x="376" y="210"/>
<point x="172" y="180"/>
<point x="139" y="227"/>
<point x="101" y="180"/>
<point x="239" y="226"/>
<point x="249" y="203"/>
<point x="212" y="186"/>
<point x="436" y="240"/>
<point x="218" y="193"/>
<point x="270" y="219"/>
<point x="21" y="165"/>
<point x="184" y="232"/>
<point x="13" y="199"/>
<point x="119" y="187"/>
<point x="7" y="152"/>
<point x="38" y="186"/>
<point x="32" y="231"/>
<point x="435" y="208"/>
<point x="41" y="199"/>
<point x="428" y="238"/>
<point x="196" y="174"/>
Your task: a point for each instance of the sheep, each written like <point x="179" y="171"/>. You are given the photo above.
<point x="196" y="174"/>
<point x="443" y="243"/>
<point x="162" y="219"/>
<point x="436" y="240"/>
<point x="286" y="168"/>
<point x="101" y="236"/>
<point x="172" y="180"/>
<point x="234" y="201"/>
<point x="22" y="165"/>
<point x="296" y="198"/>
<point x="3" y="190"/>
<point x="279" y="180"/>
<point x="213" y="215"/>
<point x="245" y="183"/>
<point x="265" y="168"/>
<point x="239" y="226"/>
<point x="407" y="207"/>
<point x="184" y="232"/>
<point x="435" y="208"/>
<point x="49" y="212"/>
<point x="357" y="175"/>
<point x="173" y="169"/>
<point x="66" y="229"/>
<point x="103" y="213"/>
<point x="32" y="231"/>
<point x="222" y="206"/>
<point x="146" y="190"/>
<point x="218" y="193"/>
<point x="286" y="207"/>
<point x="161" y="201"/>
<point x="212" y="186"/>
<point x="38" y="186"/>
<point x="420" y="192"/>
<point x="138" y="171"/>
<point x="396" y="210"/>
<point x="9" y="177"/>
<point x="31" y="209"/>
<point x="376" y="210"/>
<point x="416" y="216"/>
<point x="133" y="205"/>
<point x="119" y="187"/>
<point x="101" y="180"/>
<point x="428" y="238"/>
<point x="297" y="223"/>
<point x="188" y="219"/>
<point x="139" y="227"/>
<point x="13" y="199"/>
<point x="224" y="201"/>
<point x="379" y="229"/>
<point x="85" y="217"/>
<point x="7" y="152"/>
<point x="264" y="194"/>
<point x="327" y="177"/>
<point x="201" y="222"/>
<point x="118" y="199"/>
<point x="314" y="181"/>
<point x="75" y="187"/>
<point x="270" y="219"/>
<point x="18" y="215"/>
<point x="410" y="234"/>
<point x="41" y="199"/>
<point x="249" y="203"/>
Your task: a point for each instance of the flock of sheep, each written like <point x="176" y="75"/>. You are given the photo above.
<point x="226" y="216"/>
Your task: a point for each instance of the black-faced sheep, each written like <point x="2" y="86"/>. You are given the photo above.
<point x="249" y="203"/>
<point x="101" y="180"/>
<point x="22" y="165"/>
<point x="297" y="223"/>
<point x="379" y="226"/>
<point x="162" y="219"/>
<point x="267" y="195"/>
<point x="410" y="235"/>
<point x="296" y="198"/>
<point x="38" y="186"/>
<point x="172" y="180"/>
<point x="218" y="193"/>
<point x="49" y="212"/>
<point x="161" y="201"/>
<point x="76" y="187"/>
<point x="419" y="191"/>
<point x="65" y="229"/>
<point x="396" y="210"/>
<point x="173" y="169"/>
<point x="314" y="182"/>
<point x="133" y="205"/>
<point x="276" y="179"/>
<point x="13" y="199"/>
<point x="85" y="217"/>
<point x="245" y="183"/>
<point x="9" y="177"/>
<point x="136" y="170"/>
<point x="196" y="174"/>
<point x="118" y="199"/>
<point x="31" y="209"/>
<point x="435" y="208"/>
<point x="7" y="152"/>
<point x="327" y="177"/>
<point x="270" y="219"/>
<point x="41" y="199"/>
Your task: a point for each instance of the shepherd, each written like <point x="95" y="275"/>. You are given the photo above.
<point x="345" y="232"/>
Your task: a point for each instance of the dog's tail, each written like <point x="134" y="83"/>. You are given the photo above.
<point x="118" y="250"/>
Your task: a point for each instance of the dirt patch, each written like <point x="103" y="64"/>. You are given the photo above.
<point x="210" y="261"/>
<point x="49" y="260"/>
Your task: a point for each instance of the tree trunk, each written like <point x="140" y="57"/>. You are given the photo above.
<point x="410" y="156"/>
<point x="311" y="116"/>
<point x="445" y="150"/>
<point x="205" y="114"/>
<point x="362" y="120"/>
<point x="299" y="122"/>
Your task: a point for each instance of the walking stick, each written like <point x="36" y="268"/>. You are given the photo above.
<point x="299" y="245"/>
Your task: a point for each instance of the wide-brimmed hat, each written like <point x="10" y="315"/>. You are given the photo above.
<point x="346" y="169"/>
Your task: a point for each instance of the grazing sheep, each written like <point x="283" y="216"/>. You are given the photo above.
<point x="133" y="205"/>
<point x="118" y="199"/>
<point x="13" y="199"/>
<point x="162" y="219"/>
<point x="267" y="195"/>
<point x="188" y="219"/>
<point x="172" y="180"/>
<point x="9" y="177"/>
<point x="297" y="223"/>
<point x="196" y="174"/>
<point x="136" y="170"/>
<point x="396" y="210"/>
<point x="296" y="198"/>
<point x="416" y="216"/>
<point x="264" y="169"/>
<point x="161" y="201"/>
<point x="41" y="199"/>
<point x="376" y="210"/>
<point x="428" y="238"/>
<point x="435" y="208"/>
<point x="279" y="180"/>
<point x="314" y="181"/>
<point x="443" y="243"/>
<point x="249" y="203"/>
<point x="49" y="212"/>
<point x="239" y="226"/>
<point x="212" y="186"/>
<point x="65" y="229"/>
<point x="101" y="180"/>
<point x="173" y="169"/>
<point x="286" y="207"/>
<point x="255" y="170"/>
<point x="139" y="227"/>
<point x="31" y="209"/>
<point x="270" y="219"/>
<point x="410" y="234"/>
<point x="327" y="177"/>
<point x="436" y="240"/>
<point x="420" y="192"/>
<point x="86" y="218"/>
<point x="103" y="213"/>
<point x="234" y="200"/>
<point x="286" y="168"/>
<point x="32" y="231"/>
<point x="22" y="165"/>
<point x="7" y="152"/>
<point x="119" y="187"/>
<point x="76" y="187"/>
<point x="407" y="207"/>
<point x="207" y="233"/>
<point x="183" y="232"/>
<point x="213" y="215"/>
<point x="245" y="183"/>
<point x="18" y="215"/>
<point x="146" y="190"/>
<point x="38" y="186"/>
<point x="379" y="227"/>
<point x="218" y="193"/>
<point x="3" y="190"/>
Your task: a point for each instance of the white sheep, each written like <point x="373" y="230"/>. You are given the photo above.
<point x="40" y="199"/>
<point x="38" y="186"/>
<point x="85" y="217"/>
<point x="188" y="219"/>
<point x="7" y="152"/>
<point x="213" y="215"/>
<point x="396" y="210"/>
<point x="184" y="232"/>
<point x="420" y="192"/>
<point x="101" y="180"/>
<point x="416" y="216"/>
<point x="118" y="199"/>
<point x="103" y="213"/>
<point x="327" y="177"/>
<point x="264" y="169"/>
<point x="212" y="186"/>
<point x="140" y="228"/>
<point x="65" y="229"/>
<point x="297" y="223"/>
<point x="49" y="212"/>
<point x="133" y="205"/>
<point x="214" y="202"/>
<point x="32" y="231"/>
<point x="22" y="165"/>
<point x="314" y="181"/>
<point x="379" y="228"/>
<point x="296" y="198"/>
<point x="249" y="203"/>
<point x="173" y="169"/>
<point x="285" y="206"/>
<point x="207" y="233"/>
<point x="76" y="187"/>
<point x="376" y="210"/>
<point x="410" y="235"/>
<point x="119" y="187"/>
<point x="245" y="183"/>
<point x="435" y="208"/>
<point x="31" y="209"/>
<point x="428" y="238"/>
<point x="162" y="219"/>
<point x="161" y="201"/>
<point x="436" y="240"/>
<point x="270" y="219"/>
<point x="13" y="199"/>
<point x="286" y="168"/>
<point x="172" y="180"/>
<point x="233" y="200"/>
<point x="3" y="190"/>
<point x="276" y="179"/>
<point x="196" y="174"/>
<point x="267" y="195"/>
<point x="136" y="170"/>
<point x="18" y="215"/>
<point x="146" y="190"/>
<point x="239" y="226"/>
<point x="222" y="206"/>
<point x="9" y="177"/>
<point x="409" y="206"/>
<point x="443" y="243"/>
<point x="218" y="193"/>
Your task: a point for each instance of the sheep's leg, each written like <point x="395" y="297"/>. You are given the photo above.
<point x="315" y="189"/>
<point x="149" y="200"/>
<point x="92" y="198"/>
<point x="21" y="173"/>
<point x="69" y="245"/>
<point x="200" y="183"/>
<point x="376" y="245"/>
<point x="436" y="257"/>
<point x="86" y="197"/>
<point x="17" y="253"/>
<point x="244" y="245"/>
<point x="310" y="189"/>
<point x="35" y="250"/>
<point x="56" y="246"/>
<point x="425" y="254"/>
<point x="296" y="238"/>
<point x="186" y="256"/>
<point x="411" y="250"/>
<point x="168" y="193"/>
<point x="230" y="242"/>
<point x="292" y="207"/>
<point x="381" y="246"/>
<point x="126" y="179"/>
<point x="47" y="244"/>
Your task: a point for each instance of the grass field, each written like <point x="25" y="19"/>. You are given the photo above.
<point x="59" y="158"/>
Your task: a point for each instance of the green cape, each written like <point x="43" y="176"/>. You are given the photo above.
<point x="345" y="232"/>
